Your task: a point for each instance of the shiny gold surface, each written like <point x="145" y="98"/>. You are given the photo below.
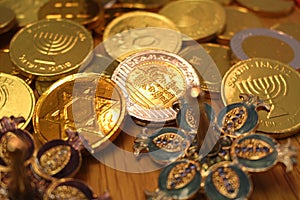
<point x="237" y="19"/>
<point x="8" y="67"/>
<point x="85" y="12"/>
<point x="197" y="19"/>
<point x="271" y="8"/>
<point x="221" y="56"/>
<point x="137" y="19"/>
<point x="26" y="10"/>
<point x="7" y="19"/>
<point x="283" y="52"/>
<point x="274" y="82"/>
<point x="16" y="98"/>
<point x="60" y="189"/>
<point x="87" y="102"/>
<point x="132" y="41"/>
<point x="143" y="4"/>
<point x="42" y="86"/>
<point x="49" y="49"/>
<point x="152" y="81"/>
<point x="292" y="29"/>
<point x="224" y="2"/>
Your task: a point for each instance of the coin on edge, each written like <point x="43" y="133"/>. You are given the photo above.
<point x="272" y="81"/>
<point x="89" y="103"/>
<point x="237" y="19"/>
<point x="50" y="49"/>
<point x="265" y="43"/>
<point x="197" y="19"/>
<point x="152" y="81"/>
<point x="16" y="98"/>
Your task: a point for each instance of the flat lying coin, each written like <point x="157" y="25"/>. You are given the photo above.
<point x="25" y="10"/>
<point x="9" y="68"/>
<point x="292" y="29"/>
<point x="274" y="82"/>
<point x="50" y="49"/>
<point x="16" y="98"/>
<point x="87" y="102"/>
<point x="269" y="8"/>
<point x="237" y="19"/>
<point x="152" y="81"/>
<point x="131" y="41"/>
<point x="210" y="72"/>
<point x="137" y="19"/>
<point x="7" y="19"/>
<point x="197" y="19"/>
<point x="85" y="12"/>
<point x="258" y="42"/>
<point x="143" y="4"/>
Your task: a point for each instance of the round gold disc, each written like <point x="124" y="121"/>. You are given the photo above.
<point x="85" y="12"/>
<point x="86" y="102"/>
<point x="143" y="4"/>
<point x="152" y="81"/>
<point x="237" y="18"/>
<point x="137" y="19"/>
<point x="50" y="49"/>
<point x="197" y="19"/>
<point x="271" y="8"/>
<point x="274" y="82"/>
<point x="16" y="98"/>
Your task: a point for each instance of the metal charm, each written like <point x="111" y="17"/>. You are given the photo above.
<point x="240" y="118"/>
<point x="259" y="152"/>
<point x="165" y="145"/>
<point x="227" y="181"/>
<point x="179" y="180"/>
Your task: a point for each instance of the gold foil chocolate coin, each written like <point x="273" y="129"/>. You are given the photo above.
<point x="50" y="49"/>
<point x="137" y="19"/>
<point x="265" y="43"/>
<point x="210" y="72"/>
<point x="7" y="19"/>
<point x="143" y="4"/>
<point x="152" y="81"/>
<point x="25" y="10"/>
<point x="86" y="102"/>
<point x="85" y="12"/>
<point x="292" y="29"/>
<point x="131" y="41"/>
<point x="272" y="81"/>
<point x="198" y="19"/>
<point x="237" y="19"/>
<point x="16" y="98"/>
<point x="8" y="67"/>
<point x="271" y="8"/>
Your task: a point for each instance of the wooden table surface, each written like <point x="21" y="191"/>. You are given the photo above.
<point x="274" y="184"/>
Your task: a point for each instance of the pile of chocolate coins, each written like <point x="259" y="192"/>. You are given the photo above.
<point x="209" y="86"/>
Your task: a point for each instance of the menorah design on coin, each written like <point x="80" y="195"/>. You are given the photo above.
<point x="268" y="89"/>
<point x="54" y="43"/>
